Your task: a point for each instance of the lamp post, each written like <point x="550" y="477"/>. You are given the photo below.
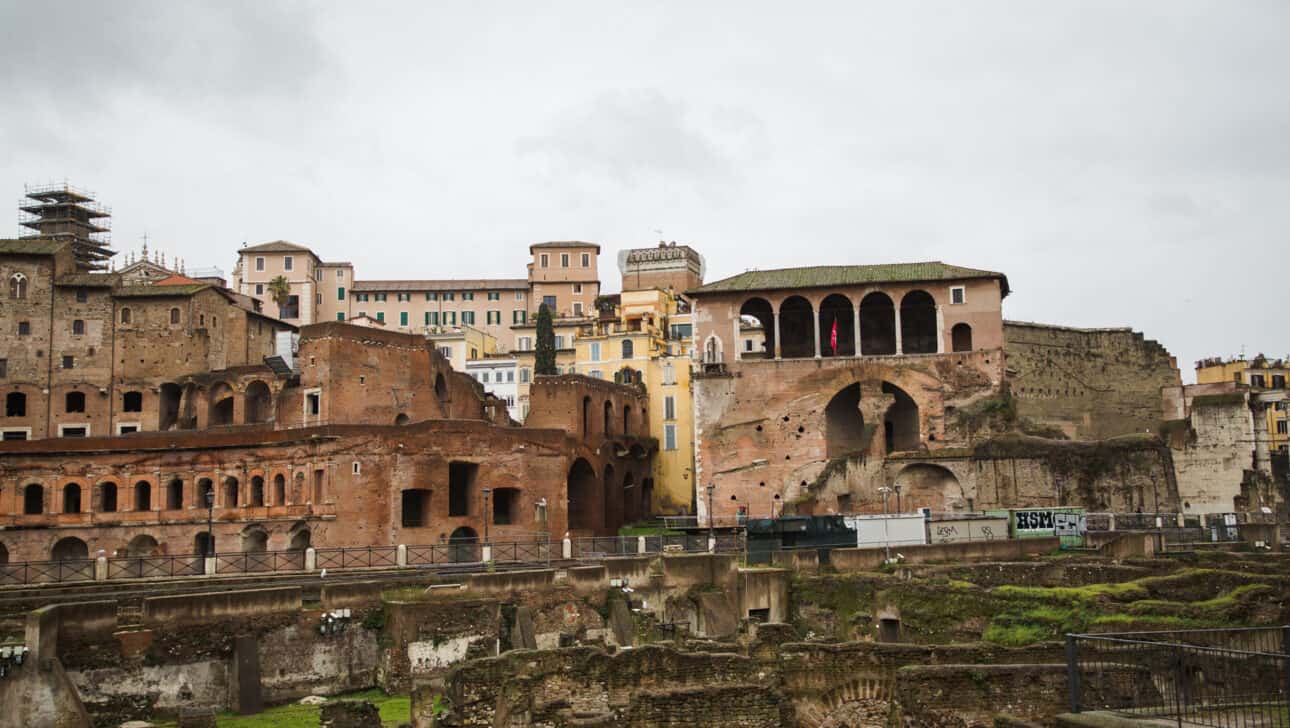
<point x="711" y="488"/>
<point x="210" y="516"/>
<point x="897" y="489"/>
<point x="487" y="515"/>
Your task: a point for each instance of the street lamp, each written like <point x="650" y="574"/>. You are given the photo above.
<point x="487" y="515"/>
<point x="885" y="491"/>
<point x="711" y="489"/>
<point x="210" y="516"/>
<point x="897" y="489"/>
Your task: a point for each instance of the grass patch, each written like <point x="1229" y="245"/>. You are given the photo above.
<point x="1122" y="592"/>
<point x="395" y="710"/>
<point x="1016" y="635"/>
<point x="646" y="530"/>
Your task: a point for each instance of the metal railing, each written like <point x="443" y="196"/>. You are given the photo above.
<point x="259" y="562"/>
<point x="147" y="567"/>
<point x="363" y="557"/>
<point x="520" y="552"/>
<point x="44" y="572"/>
<point x="1223" y="678"/>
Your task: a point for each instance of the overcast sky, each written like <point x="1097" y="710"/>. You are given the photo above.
<point x="1125" y="164"/>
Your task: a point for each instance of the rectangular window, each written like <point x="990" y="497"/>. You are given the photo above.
<point x="468" y="296"/>
<point x="461" y="487"/>
<point x="595" y="351"/>
<point x="669" y="407"/>
<point x="446" y="351"/>
<point x="416" y="508"/>
<point x="447" y="296"/>
<point x="24" y="328"/>
<point x="1237" y="377"/>
<point x="69" y="362"/>
<point x="380" y="316"/>
<point x="1282" y="427"/>
<point x="748" y="344"/>
<point x="292" y="308"/>
<point x="340" y="316"/>
<point x="586" y="260"/>
<point x="510" y="376"/>
<point x="318" y="299"/>
<point x="669" y="437"/>
<point x="549" y="302"/>
<point x="680" y="331"/>
<point x="318" y="274"/>
<point x="81" y="296"/>
<point x="577" y="308"/>
<point x="494" y="295"/>
<point x="559" y="341"/>
<point x="403" y="297"/>
<point x="483" y="377"/>
<point x="403" y="318"/>
<point x="259" y="289"/>
<point x="519" y="316"/>
<point x="259" y="263"/>
<point x="313" y="403"/>
<point x="1256" y="380"/>
<point x="381" y="296"/>
<point x="1278" y="381"/>
<point x="525" y="375"/>
<point x="15" y="434"/>
<point x="449" y="318"/>
<point x="288" y="263"/>
<point x="77" y="431"/>
<point x="468" y="317"/>
<point x="78" y="328"/>
<point x="519" y="295"/>
<point x="340" y="273"/>
<point x="958" y="294"/>
<point x="4" y="368"/>
<point x="596" y="374"/>
<point x="340" y="293"/>
<point x="577" y="288"/>
<point x="564" y="260"/>
<point x="432" y="296"/>
<point x="495" y="317"/>
<point x="542" y="260"/>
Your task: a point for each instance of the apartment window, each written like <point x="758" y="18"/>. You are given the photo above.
<point x="494" y="295"/>
<point x="403" y="296"/>
<point x="564" y="260"/>
<point x="495" y="317"/>
<point x="1278" y="381"/>
<point x="468" y="317"/>
<point x="748" y="344"/>
<point x="1237" y="376"/>
<point x="595" y="351"/>
<point x="596" y="374"/>
<point x="403" y="318"/>
<point x="448" y="295"/>
<point x="446" y="351"/>
<point x="292" y="308"/>
<point x="669" y="374"/>
<point x="519" y="316"/>
<point x="259" y="263"/>
<point x="318" y="274"/>
<point x="259" y="289"/>
<point x="586" y="260"/>
<point x="549" y="302"/>
<point x="340" y="315"/>
<point x="288" y="263"/>
<point x="1256" y="380"/>
<point x="381" y="296"/>
<point x="81" y="295"/>
<point x="958" y="294"/>
<point x="519" y="295"/>
<point x="542" y="260"/>
<point x="73" y="431"/>
<point x="24" y="328"/>
<point x="468" y="296"/>
<point x="432" y="296"/>
<point x="78" y="328"/>
<point x="449" y="318"/>
<point x="1281" y="427"/>
<point x="318" y="299"/>
<point x="361" y="297"/>
<point x="526" y="375"/>
<point x="669" y="437"/>
<point x="474" y="353"/>
<point x="524" y="343"/>
<point x="510" y="376"/>
<point x="69" y="361"/>
<point x="125" y="316"/>
<point x="669" y="407"/>
<point x="340" y="293"/>
<point x="380" y="316"/>
<point x="313" y="403"/>
<point x="577" y="288"/>
<point x="174" y="316"/>
<point x="628" y="349"/>
<point x="483" y="377"/>
<point x="559" y="341"/>
<point x="340" y="274"/>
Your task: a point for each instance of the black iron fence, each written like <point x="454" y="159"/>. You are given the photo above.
<point x="43" y="572"/>
<point x="146" y="567"/>
<point x="362" y="557"/>
<point x="1224" y="678"/>
<point x="259" y="562"/>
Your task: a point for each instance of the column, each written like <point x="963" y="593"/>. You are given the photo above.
<point x="777" y="348"/>
<point x="857" y="328"/>
<point x="739" y="345"/>
<point x="940" y="329"/>
<point x="815" y="316"/>
<point x="899" y="345"/>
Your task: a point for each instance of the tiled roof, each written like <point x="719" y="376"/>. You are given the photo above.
<point x="88" y="280"/>
<point x="827" y="276"/>
<point x="176" y="280"/>
<point x="477" y="284"/>
<point x="32" y="246"/>
<point x="277" y="246"/>
<point x="156" y="291"/>
<point x="564" y="244"/>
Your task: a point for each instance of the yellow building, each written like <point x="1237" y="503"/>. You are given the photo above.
<point x="644" y="336"/>
<point x="525" y="335"/>
<point x="1260" y="374"/>
<point x="461" y="344"/>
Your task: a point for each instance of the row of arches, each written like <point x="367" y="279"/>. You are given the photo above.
<point x="604" y="501"/>
<point x="609" y="424"/>
<point x="253" y="538"/>
<point x="258" y="404"/>
<point x="109" y="498"/>
<point x="845" y="433"/>
<point x="876" y="327"/>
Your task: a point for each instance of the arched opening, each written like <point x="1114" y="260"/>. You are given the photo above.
<point x="107" y="497"/>
<point x="400" y="420"/>
<point x="204" y="544"/>
<point x="441" y="390"/>
<point x="175" y="494"/>
<point x="257" y="491"/>
<point x="630" y="498"/>
<point x="900" y="423"/>
<point x="586" y="416"/>
<point x="4" y="554"/>
<point x="918" y="323"/>
<point x="132" y="402"/>
<point x="628" y="349"/>
<point x="205" y="493"/>
<point x="74" y="402"/>
<point x="259" y="402"/>
<point x="298" y="488"/>
<point x="647" y="497"/>
<point x="255" y="540"/>
<point x="69" y="549"/>
<point x="611" y="500"/>
<point x="506" y="506"/>
<point x="961" y="337"/>
<point x="279" y="490"/>
<point x="837" y="326"/>
<point x="17" y="286"/>
<point x="141" y="545"/>
<point x="581" y="495"/>
<point x="33" y="499"/>
<point x="221" y="405"/>
<point x="125" y="315"/>
<point x="712" y="350"/>
<point x="928" y="486"/>
<point x="756" y="329"/>
<point x="168" y="406"/>
<point x="71" y="498"/>
<point x="463" y="545"/>
<point x="627" y="419"/>
<point x="174" y="316"/>
<point x="15" y="404"/>
<point x="230" y="492"/>
<point x="877" y="325"/>
<point x="844" y="433"/>
<point x="301" y="538"/>
<point x="188" y="408"/>
<point x="609" y="418"/>
<point x="797" y="328"/>
<point x="143" y="496"/>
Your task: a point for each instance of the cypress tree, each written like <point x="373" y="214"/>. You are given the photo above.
<point x="545" y="353"/>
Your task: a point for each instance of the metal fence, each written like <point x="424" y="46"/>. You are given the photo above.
<point x="521" y="552"/>
<point x="145" y="567"/>
<point x="362" y="557"/>
<point x="1223" y="678"/>
<point x="44" y="572"/>
<point x="259" y="562"/>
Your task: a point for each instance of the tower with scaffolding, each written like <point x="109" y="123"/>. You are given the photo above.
<point x="62" y="212"/>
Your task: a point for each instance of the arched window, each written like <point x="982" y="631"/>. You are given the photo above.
<point x="712" y="350"/>
<point x="175" y="494"/>
<point x="18" y="286"/>
<point x="961" y="337"/>
<point x="15" y="404"/>
<point x="71" y="498"/>
<point x="143" y="496"/>
<point x="107" y="497"/>
<point x="628" y="349"/>
<point x="174" y="316"/>
<point x="75" y="401"/>
<point x="125" y="315"/>
<point x="33" y="499"/>
<point x="609" y="418"/>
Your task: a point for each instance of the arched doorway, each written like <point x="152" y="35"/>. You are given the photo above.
<point x="837" y="317"/>
<point x="143" y="496"/>
<point x="259" y="402"/>
<point x="928" y="486"/>
<point x="141" y="545"/>
<point x="918" y="323"/>
<point x="611" y="500"/>
<point x="175" y="494"/>
<point x="257" y="491"/>
<point x="961" y="337"/>
<point x="255" y="540"/>
<point x="580" y="494"/>
<point x="221" y="405"/>
<point x="756" y="329"/>
<point x="71" y="498"/>
<point x="877" y="325"/>
<point x="69" y="549"/>
<point x="900" y="423"/>
<point x="204" y="544"/>
<point x="844" y="433"/>
<point x="463" y="545"/>
<point x="205" y="493"/>
<point x="301" y="538"/>
<point x="797" y="328"/>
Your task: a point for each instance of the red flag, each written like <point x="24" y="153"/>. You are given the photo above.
<point x="833" y="338"/>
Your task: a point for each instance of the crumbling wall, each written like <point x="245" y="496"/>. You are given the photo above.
<point x="1091" y="383"/>
<point x="1213" y="450"/>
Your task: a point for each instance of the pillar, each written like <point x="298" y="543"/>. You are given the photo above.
<point x="777" y="347"/>
<point x="856" y="311"/>
<point x="899" y="344"/>
<point x="940" y="329"/>
<point x="208" y="568"/>
<point x="566" y="548"/>
<point x="100" y="568"/>
<point x="815" y="316"/>
<point x="401" y="557"/>
<point x="739" y="344"/>
<point x="640" y="544"/>
<point x="486" y="553"/>
<point x="311" y="558"/>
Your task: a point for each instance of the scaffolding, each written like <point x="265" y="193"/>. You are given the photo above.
<point x="63" y="212"/>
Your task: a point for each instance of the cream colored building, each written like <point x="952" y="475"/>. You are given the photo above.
<point x="461" y="344"/>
